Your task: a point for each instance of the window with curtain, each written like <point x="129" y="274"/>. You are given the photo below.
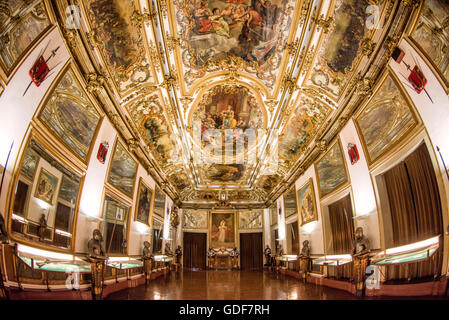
<point x="416" y="212"/>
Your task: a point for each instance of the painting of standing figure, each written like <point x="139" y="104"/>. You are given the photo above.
<point x="222" y="229"/>
<point x="145" y="198"/>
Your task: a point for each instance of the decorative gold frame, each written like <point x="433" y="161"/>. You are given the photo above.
<point x="341" y="185"/>
<point x="292" y="188"/>
<point x="9" y="73"/>
<point x="47" y="97"/>
<point x="136" y="209"/>
<point x="41" y="173"/>
<point x="61" y="156"/>
<point x="106" y="182"/>
<point x="234" y="213"/>
<point x="436" y="71"/>
<point x="418" y="123"/>
<point x="315" y="218"/>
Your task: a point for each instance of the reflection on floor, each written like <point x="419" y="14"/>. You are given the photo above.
<point x="231" y="285"/>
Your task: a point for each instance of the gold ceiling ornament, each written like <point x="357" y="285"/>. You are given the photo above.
<point x="185" y="102"/>
<point x="304" y="11"/>
<point x="94" y="82"/>
<point x="232" y="76"/>
<point x="367" y="46"/>
<point x="322" y="145"/>
<point x="115" y="119"/>
<point x="292" y="47"/>
<point x="163" y="6"/>
<point x="133" y="145"/>
<point x="390" y="44"/>
<point x="327" y="25"/>
<point x="137" y="18"/>
<point x="4" y="8"/>
<point x="271" y="103"/>
<point x="308" y="60"/>
<point x="363" y="87"/>
<point x="289" y="84"/>
<point x="170" y="81"/>
<point x="93" y="40"/>
<point x="70" y="36"/>
<point x="410" y="3"/>
<point x="172" y="42"/>
<point x="154" y="55"/>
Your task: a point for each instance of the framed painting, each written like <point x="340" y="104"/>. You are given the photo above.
<point x="431" y="36"/>
<point x="194" y="219"/>
<point x="250" y="220"/>
<point x="70" y="116"/>
<point x="159" y="202"/>
<point x="22" y="24"/>
<point x="306" y="203"/>
<point x="331" y="170"/>
<point x="145" y="200"/>
<point x="290" y="202"/>
<point x="46" y="186"/>
<point x="385" y="120"/>
<point x="222" y="229"/>
<point x="122" y="171"/>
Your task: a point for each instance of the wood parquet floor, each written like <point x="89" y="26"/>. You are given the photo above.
<point x="230" y="285"/>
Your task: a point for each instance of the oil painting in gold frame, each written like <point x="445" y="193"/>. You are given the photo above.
<point x="331" y="170"/>
<point x="122" y="171"/>
<point x="222" y="229"/>
<point x="307" y="209"/>
<point x="144" y="205"/>
<point x="46" y="187"/>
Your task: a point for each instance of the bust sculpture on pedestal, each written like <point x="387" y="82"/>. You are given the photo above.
<point x="267" y="254"/>
<point x="360" y="256"/>
<point x="178" y="253"/>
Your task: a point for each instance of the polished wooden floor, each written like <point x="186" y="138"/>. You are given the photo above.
<point x="230" y="285"/>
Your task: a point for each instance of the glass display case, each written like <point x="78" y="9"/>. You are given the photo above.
<point x="51" y="261"/>
<point x="124" y="263"/>
<point x="288" y="258"/>
<point x="333" y="260"/>
<point x="414" y="252"/>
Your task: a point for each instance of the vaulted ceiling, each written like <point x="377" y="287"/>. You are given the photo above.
<point x="184" y="81"/>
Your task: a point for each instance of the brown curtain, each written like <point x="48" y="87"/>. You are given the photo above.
<point x="194" y="255"/>
<point x="342" y="227"/>
<point x="293" y="228"/>
<point x="416" y="211"/>
<point x="251" y="251"/>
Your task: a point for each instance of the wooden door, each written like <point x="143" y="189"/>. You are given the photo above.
<point x="251" y="251"/>
<point x="194" y="250"/>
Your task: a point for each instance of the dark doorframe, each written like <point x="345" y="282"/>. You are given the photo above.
<point x="251" y="255"/>
<point x="194" y="255"/>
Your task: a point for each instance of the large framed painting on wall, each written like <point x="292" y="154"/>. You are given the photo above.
<point x="385" y="120"/>
<point x="250" y="220"/>
<point x="159" y="202"/>
<point x="194" y="219"/>
<point x="431" y="35"/>
<point x="273" y="215"/>
<point x="69" y="115"/>
<point x="115" y="225"/>
<point x="331" y="170"/>
<point x="222" y="229"/>
<point x="145" y="200"/>
<point x="306" y="203"/>
<point x="22" y="23"/>
<point x="122" y="171"/>
<point x="290" y="202"/>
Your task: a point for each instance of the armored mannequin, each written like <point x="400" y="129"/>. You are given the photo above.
<point x="305" y="251"/>
<point x="361" y="243"/>
<point x="146" y="252"/>
<point x="94" y="246"/>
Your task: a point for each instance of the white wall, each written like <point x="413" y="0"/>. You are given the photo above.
<point x="365" y="208"/>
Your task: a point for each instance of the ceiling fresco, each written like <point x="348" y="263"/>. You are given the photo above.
<point x="185" y="82"/>
<point x="248" y="35"/>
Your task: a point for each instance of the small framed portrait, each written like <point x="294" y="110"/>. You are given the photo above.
<point x="145" y="199"/>
<point x="306" y="203"/>
<point x="46" y="186"/>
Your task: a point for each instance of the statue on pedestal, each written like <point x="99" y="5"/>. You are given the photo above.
<point x="267" y="254"/>
<point x="3" y="233"/>
<point x="361" y="243"/>
<point x="168" y="251"/>
<point x="235" y="258"/>
<point x="178" y="253"/>
<point x="94" y="246"/>
<point x="42" y="227"/>
<point x="305" y="251"/>
<point x="360" y="254"/>
<point x="210" y="258"/>
<point x="146" y="252"/>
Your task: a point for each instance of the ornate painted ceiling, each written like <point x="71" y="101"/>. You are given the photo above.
<point x="230" y="99"/>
